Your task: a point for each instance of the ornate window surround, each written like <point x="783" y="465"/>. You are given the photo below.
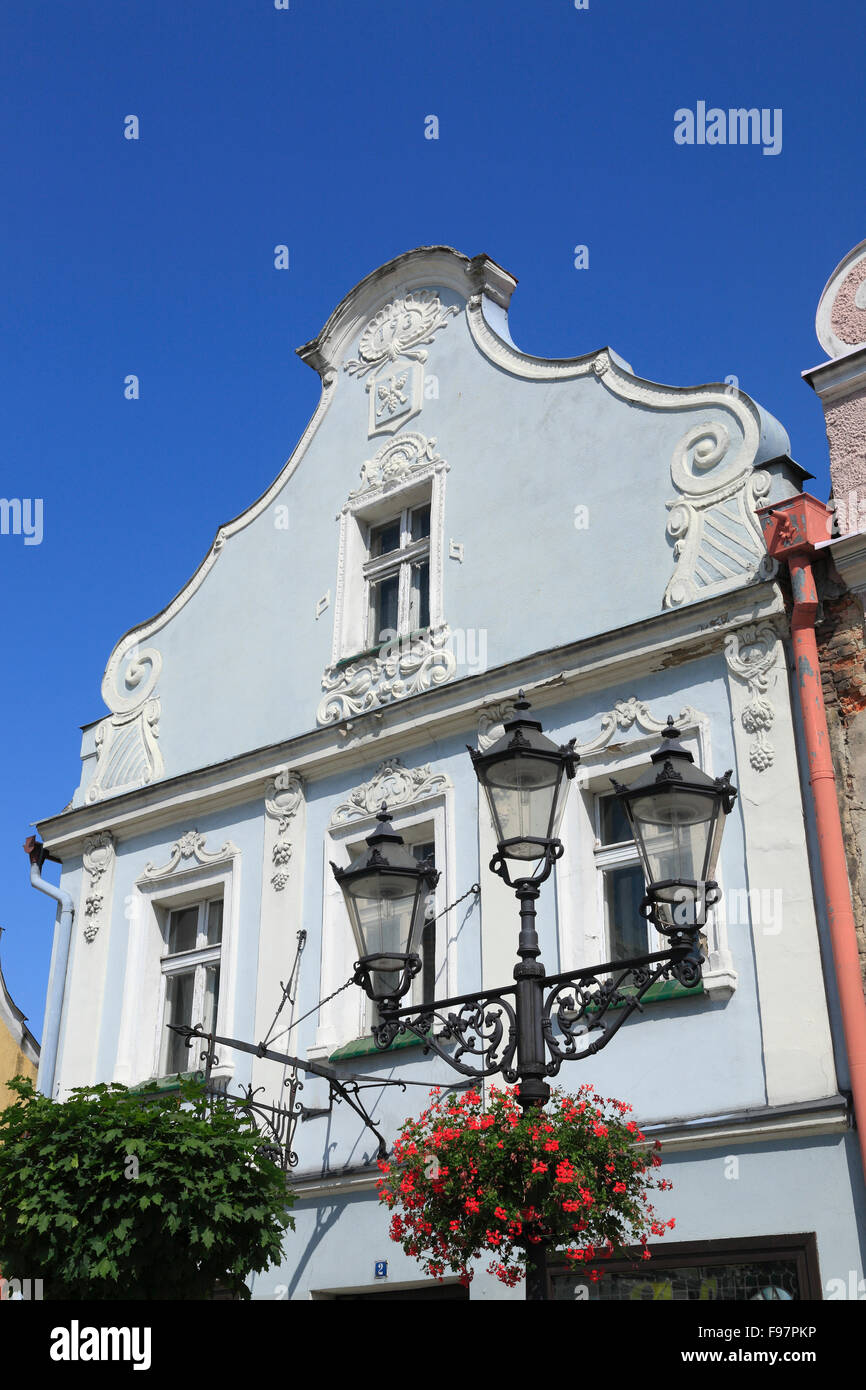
<point x="416" y="797"/>
<point x="580" y="887"/>
<point x="190" y="874"/>
<point x="406" y="472"/>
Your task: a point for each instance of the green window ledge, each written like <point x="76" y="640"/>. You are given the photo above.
<point x="365" y="1047"/>
<point x="663" y="990"/>
<point x="659" y="993"/>
<point x="165" y="1083"/>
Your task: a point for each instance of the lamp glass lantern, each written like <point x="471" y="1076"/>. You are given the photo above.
<point x="677" y="814"/>
<point x="385" y="892"/>
<point x="525" y="779"/>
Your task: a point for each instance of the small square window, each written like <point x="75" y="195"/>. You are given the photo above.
<point x="385" y="539"/>
<point x="419" y="523"/>
<point x="614" y="828"/>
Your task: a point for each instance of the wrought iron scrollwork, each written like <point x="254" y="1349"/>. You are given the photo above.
<point x="597" y="1004"/>
<point x="483" y="1026"/>
<point x="277" y="1123"/>
<point x="600" y="1001"/>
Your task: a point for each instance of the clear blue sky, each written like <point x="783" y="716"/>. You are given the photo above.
<point x="305" y="126"/>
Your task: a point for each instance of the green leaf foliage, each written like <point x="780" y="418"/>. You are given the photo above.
<point x="112" y="1194"/>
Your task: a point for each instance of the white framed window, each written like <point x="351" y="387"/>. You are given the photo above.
<point x="190" y="977"/>
<point x="181" y="961"/>
<point x="397" y="575"/>
<point x="390" y="562"/>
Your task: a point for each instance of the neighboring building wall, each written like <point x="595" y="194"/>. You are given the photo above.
<point x="19" y="1050"/>
<point x="840" y="383"/>
<point x="842" y="651"/>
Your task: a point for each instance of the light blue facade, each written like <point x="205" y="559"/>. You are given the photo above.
<point x="592" y="539"/>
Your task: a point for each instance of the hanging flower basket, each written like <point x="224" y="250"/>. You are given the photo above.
<point x="463" y="1182"/>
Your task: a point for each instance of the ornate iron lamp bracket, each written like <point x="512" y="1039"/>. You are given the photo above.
<point x="595" y="1000"/>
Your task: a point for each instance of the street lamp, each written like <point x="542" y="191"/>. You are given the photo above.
<point x="385" y="892"/>
<point x="526" y="1030"/>
<point x="525" y="778"/>
<point x="677" y="814"/>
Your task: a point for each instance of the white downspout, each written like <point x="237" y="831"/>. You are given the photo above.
<point x="57" y="983"/>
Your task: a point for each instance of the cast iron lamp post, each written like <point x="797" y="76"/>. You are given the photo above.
<point x="526" y="1030"/>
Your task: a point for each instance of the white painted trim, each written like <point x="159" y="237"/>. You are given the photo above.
<point x="138" y="1049"/>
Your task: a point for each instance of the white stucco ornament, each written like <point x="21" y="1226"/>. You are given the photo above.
<point x="717" y="538"/>
<point x="97" y="858"/>
<point x="412" y="665"/>
<point x="127" y="752"/>
<point x="282" y="802"/>
<point x="395" y="461"/>
<point x="399" y="330"/>
<point x="751" y="654"/>
<point x="391" y="348"/>
<point x="191" y="845"/>
<point x="394" y="784"/>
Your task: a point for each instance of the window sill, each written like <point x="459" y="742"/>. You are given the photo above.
<point x="374" y="651"/>
<point x="366" y="1047"/>
<point x="159" y="1084"/>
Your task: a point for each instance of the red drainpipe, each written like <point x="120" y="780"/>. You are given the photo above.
<point x="792" y="529"/>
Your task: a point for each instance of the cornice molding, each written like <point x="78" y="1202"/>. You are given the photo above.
<point x="849" y="556"/>
<point x="674" y="636"/>
<point x="767" y="1125"/>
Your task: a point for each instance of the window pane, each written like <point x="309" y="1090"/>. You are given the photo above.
<point x="215" y="922"/>
<point x="424" y="850"/>
<point x="626" y="929"/>
<point x="770" y="1279"/>
<point x="419" y="523"/>
<point x="614" y="821"/>
<point x="419" y="615"/>
<point x="384" y="539"/>
<point x="178" y="1010"/>
<point x="211" y="997"/>
<point x="385" y="607"/>
<point x="182" y="930"/>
